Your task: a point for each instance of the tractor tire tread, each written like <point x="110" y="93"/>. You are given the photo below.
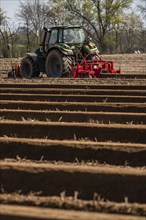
<point x="29" y="61"/>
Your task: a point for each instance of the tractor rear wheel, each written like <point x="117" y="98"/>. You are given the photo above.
<point x="58" y="65"/>
<point x="28" y="68"/>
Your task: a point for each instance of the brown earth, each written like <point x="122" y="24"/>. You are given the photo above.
<point x="71" y="202"/>
<point x="8" y="212"/>
<point x="129" y="63"/>
<point x="109" y="182"/>
<point x="76" y="144"/>
<point x="74" y="151"/>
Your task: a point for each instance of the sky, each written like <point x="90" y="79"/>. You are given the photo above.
<point x="11" y="6"/>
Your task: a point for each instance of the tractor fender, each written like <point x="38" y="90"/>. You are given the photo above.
<point x="34" y="57"/>
<point x="62" y="50"/>
<point x="90" y="48"/>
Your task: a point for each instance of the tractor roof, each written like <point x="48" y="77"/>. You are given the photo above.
<point x="66" y="26"/>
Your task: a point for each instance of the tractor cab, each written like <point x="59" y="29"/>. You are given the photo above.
<point x="63" y="37"/>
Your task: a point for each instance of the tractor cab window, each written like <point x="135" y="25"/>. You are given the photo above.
<point x="74" y="35"/>
<point x="53" y="37"/>
<point x="68" y="35"/>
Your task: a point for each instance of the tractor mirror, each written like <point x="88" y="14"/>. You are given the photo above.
<point x="45" y="29"/>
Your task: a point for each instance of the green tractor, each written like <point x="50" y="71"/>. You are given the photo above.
<point x="61" y="48"/>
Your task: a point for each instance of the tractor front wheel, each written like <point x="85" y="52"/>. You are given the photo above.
<point x="28" y="68"/>
<point x="58" y="65"/>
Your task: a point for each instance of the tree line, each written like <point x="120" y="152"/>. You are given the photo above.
<point x="112" y="24"/>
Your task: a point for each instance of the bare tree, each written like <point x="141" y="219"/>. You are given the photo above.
<point x="142" y="7"/>
<point x="34" y="14"/>
<point x="8" y="35"/>
<point x="61" y="13"/>
<point x="132" y="28"/>
<point x="2" y="16"/>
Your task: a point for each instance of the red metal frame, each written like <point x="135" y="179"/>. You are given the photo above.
<point x="93" y="68"/>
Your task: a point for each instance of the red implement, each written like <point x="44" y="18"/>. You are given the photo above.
<point x="15" y="72"/>
<point x="93" y="68"/>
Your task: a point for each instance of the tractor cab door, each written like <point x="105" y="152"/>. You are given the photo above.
<point x="56" y="36"/>
<point x="53" y="38"/>
<point x="44" y="41"/>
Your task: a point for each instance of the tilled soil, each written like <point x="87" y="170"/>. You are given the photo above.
<point x="73" y="148"/>
<point x="129" y="63"/>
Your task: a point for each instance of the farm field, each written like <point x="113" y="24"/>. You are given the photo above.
<point x="74" y="148"/>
